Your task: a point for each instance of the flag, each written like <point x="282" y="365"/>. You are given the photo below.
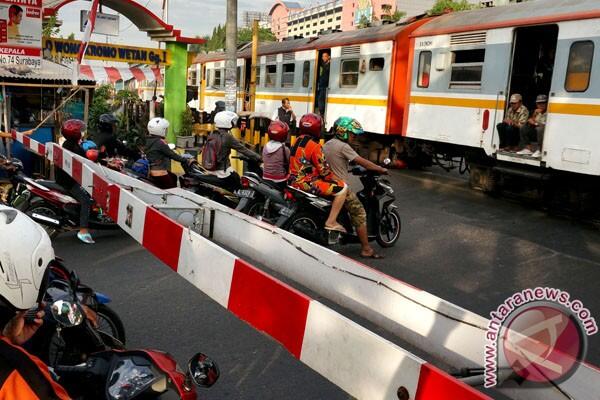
<point x="87" y="35"/>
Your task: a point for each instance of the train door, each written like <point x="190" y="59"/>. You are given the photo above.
<point x="322" y="73"/>
<point x="246" y="87"/>
<point x="534" y="51"/>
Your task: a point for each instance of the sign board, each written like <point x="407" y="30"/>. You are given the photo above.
<point x="55" y="48"/>
<point x="21" y="32"/>
<point x="106" y="24"/>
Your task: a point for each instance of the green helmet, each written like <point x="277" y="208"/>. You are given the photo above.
<point x="344" y="126"/>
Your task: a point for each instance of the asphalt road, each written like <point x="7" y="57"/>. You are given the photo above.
<point x="163" y="311"/>
<point x="459" y="244"/>
<point x="475" y="250"/>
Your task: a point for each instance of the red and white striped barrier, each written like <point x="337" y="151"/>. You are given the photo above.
<point x="114" y="74"/>
<point x="357" y="360"/>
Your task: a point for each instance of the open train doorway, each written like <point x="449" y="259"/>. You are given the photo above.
<point x="533" y="62"/>
<point x="246" y="87"/>
<point x="323" y="73"/>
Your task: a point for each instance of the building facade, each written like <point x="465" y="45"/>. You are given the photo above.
<point x="279" y="17"/>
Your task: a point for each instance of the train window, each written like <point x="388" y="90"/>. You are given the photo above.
<point x="238" y="75"/>
<point x="376" y="64"/>
<point x="349" y="75"/>
<point x="258" y="75"/>
<point x="218" y="81"/>
<point x="424" y="69"/>
<point x="580" y="66"/>
<point x="287" y="75"/>
<point x="467" y="68"/>
<point x="271" y="77"/>
<point x="306" y="74"/>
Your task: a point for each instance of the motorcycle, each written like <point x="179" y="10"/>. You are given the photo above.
<point x="77" y="322"/>
<point x="57" y="211"/>
<point x="202" y="182"/>
<point x="137" y="374"/>
<point x="306" y="214"/>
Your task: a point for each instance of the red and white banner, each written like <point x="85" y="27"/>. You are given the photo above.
<point x="113" y="74"/>
<point x="21" y="32"/>
<point x="87" y="35"/>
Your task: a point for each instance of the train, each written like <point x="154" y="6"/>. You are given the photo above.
<point x="436" y="87"/>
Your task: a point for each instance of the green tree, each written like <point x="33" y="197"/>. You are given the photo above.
<point x="100" y="105"/>
<point x="264" y="35"/>
<point x="363" y="22"/>
<point x="442" y="6"/>
<point x="50" y="27"/>
<point x="397" y="16"/>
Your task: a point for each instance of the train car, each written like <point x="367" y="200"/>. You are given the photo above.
<point x="363" y="70"/>
<point x="439" y="87"/>
<point x="464" y="67"/>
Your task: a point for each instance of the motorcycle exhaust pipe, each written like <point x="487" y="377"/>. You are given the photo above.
<point x="44" y="219"/>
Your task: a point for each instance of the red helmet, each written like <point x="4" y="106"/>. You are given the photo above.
<point x="311" y="124"/>
<point x="73" y="129"/>
<point x="92" y="155"/>
<point x="278" y="131"/>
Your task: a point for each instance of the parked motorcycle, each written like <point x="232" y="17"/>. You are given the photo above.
<point x="57" y="211"/>
<point x="306" y="214"/>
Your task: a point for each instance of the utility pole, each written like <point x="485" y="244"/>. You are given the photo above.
<point x="253" y="71"/>
<point x="231" y="60"/>
<point x="166" y="11"/>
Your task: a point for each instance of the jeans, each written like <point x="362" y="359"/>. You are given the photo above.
<point x="86" y="205"/>
<point x="509" y="135"/>
<point x="321" y="98"/>
<point x="532" y="133"/>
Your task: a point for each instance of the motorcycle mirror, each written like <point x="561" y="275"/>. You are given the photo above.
<point x="203" y="371"/>
<point x="387" y="162"/>
<point x="66" y="313"/>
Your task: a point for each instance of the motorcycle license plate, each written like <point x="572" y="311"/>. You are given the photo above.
<point x="246" y="193"/>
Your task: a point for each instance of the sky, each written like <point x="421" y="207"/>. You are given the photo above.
<point x="193" y="17"/>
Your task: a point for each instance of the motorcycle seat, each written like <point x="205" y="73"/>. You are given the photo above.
<point x="51" y="185"/>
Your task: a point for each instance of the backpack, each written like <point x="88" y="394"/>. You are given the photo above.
<point x="211" y="151"/>
<point x="141" y="167"/>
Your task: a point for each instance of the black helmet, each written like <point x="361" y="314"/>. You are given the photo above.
<point x="107" y="123"/>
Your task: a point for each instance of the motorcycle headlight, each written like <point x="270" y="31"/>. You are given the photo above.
<point x="128" y="380"/>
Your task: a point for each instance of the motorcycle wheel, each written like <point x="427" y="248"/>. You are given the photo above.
<point x="40" y="207"/>
<point x="306" y="226"/>
<point x="388" y="229"/>
<point x="110" y="323"/>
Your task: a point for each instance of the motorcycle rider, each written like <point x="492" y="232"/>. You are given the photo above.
<point x="339" y="155"/>
<point x="72" y="130"/>
<point x="276" y="156"/>
<point x="159" y="154"/>
<point x="107" y="142"/>
<point x="26" y="253"/>
<point x="310" y="172"/>
<point x="228" y="178"/>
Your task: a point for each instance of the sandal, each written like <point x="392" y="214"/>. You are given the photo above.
<point x="337" y="228"/>
<point x="85" y="238"/>
<point x="373" y="255"/>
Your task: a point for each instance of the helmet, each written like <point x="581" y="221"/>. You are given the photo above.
<point x="344" y="126"/>
<point x="73" y="129"/>
<point x="25" y="254"/>
<point x="220" y="105"/>
<point x="158" y="127"/>
<point x="278" y="131"/>
<point x="311" y="124"/>
<point x="89" y="145"/>
<point x="226" y="119"/>
<point x="92" y="155"/>
<point x="107" y="123"/>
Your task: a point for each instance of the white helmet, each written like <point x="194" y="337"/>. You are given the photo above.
<point x="158" y="127"/>
<point x="25" y="254"/>
<point x="226" y="119"/>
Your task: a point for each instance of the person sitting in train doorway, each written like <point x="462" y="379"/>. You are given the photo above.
<point x="339" y="155"/>
<point x="323" y="83"/>
<point x="534" y="128"/>
<point x="310" y="172"/>
<point x="509" y="129"/>
<point x="286" y="114"/>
